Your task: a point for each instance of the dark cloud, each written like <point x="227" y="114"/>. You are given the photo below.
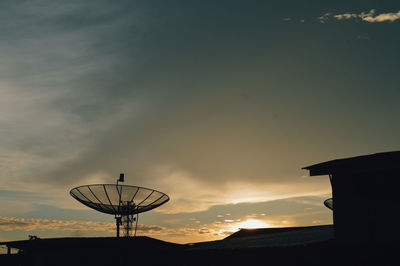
<point x="216" y="93"/>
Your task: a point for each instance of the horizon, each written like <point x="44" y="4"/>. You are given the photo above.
<point x="218" y="105"/>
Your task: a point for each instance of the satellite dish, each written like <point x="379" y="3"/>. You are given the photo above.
<point x="329" y="203"/>
<point x="123" y="201"/>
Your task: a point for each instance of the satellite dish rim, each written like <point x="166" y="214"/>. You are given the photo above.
<point x="118" y="185"/>
<point x="143" y="208"/>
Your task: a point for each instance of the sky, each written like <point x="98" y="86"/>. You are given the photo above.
<point x="219" y="104"/>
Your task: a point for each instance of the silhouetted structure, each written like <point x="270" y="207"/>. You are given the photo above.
<point x="247" y="247"/>
<point x="97" y="251"/>
<point x="123" y="201"/>
<point x="329" y="203"/>
<point x="364" y="191"/>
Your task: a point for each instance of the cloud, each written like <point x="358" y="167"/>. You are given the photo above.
<point x="381" y="17"/>
<point x="204" y="230"/>
<point x="191" y="194"/>
<point x="50" y="97"/>
<point x="220" y="229"/>
<point x="215" y="223"/>
<point x="89" y="90"/>
<point x="12" y="223"/>
<point x="183" y="234"/>
<point x="370" y="16"/>
<point x="345" y="16"/>
<point x="325" y="17"/>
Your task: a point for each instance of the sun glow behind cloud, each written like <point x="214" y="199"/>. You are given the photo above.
<point x="190" y="194"/>
<point x="231" y="226"/>
<point x="252" y="224"/>
<point x="180" y="227"/>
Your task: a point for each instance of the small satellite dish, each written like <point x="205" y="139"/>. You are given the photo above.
<point x="123" y="201"/>
<point x="329" y="203"/>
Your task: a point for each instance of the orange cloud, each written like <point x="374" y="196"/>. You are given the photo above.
<point x="12" y="223"/>
<point x="370" y="16"/>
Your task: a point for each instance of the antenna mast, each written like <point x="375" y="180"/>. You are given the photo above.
<point x="126" y="209"/>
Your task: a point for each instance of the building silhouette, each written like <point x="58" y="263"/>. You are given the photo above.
<point x="364" y="191"/>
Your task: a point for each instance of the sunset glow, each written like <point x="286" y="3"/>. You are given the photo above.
<point x="252" y="224"/>
<point x="217" y="104"/>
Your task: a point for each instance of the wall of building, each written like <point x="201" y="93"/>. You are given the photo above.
<point x="365" y="206"/>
